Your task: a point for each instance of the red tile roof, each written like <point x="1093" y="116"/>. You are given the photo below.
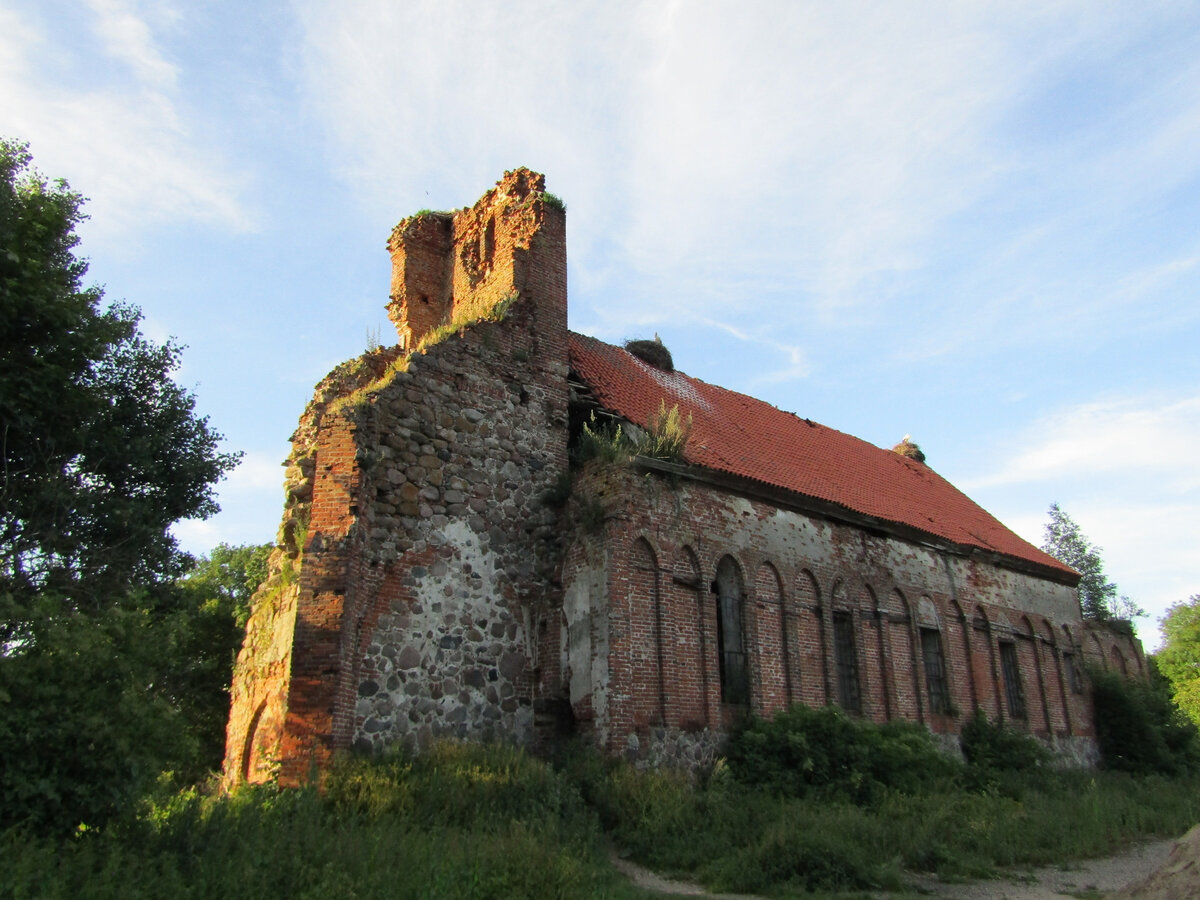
<point x="744" y="437"/>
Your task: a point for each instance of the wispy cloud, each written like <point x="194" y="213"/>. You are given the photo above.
<point x="1105" y="437"/>
<point x="804" y="149"/>
<point x="128" y="38"/>
<point x="107" y="115"/>
<point x="796" y="364"/>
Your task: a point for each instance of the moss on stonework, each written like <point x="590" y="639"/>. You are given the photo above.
<point x="360" y="396"/>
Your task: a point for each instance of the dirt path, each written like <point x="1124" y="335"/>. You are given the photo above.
<point x="1085" y="878"/>
<point x="1088" y="877"/>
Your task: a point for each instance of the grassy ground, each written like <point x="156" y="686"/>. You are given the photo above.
<point x="471" y="821"/>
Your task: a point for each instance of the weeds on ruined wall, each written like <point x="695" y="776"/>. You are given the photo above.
<point x="496" y="312"/>
<point x="664" y="437"/>
<point x="604" y="441"/>
<point x="373" y="341"/>
<point x="359" y="396"/>
<point x="666" y="434"/>
<point x="554" y="201"/>
<point x="560" y="491"/>
<point x="590" y="514"/>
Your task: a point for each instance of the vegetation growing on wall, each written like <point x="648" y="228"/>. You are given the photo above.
<point x="664" y="437"/>
<point x="465" y="318"/>
<point x="382" y="377"/>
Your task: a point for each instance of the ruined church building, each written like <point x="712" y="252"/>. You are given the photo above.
<point x="448" y="568"/>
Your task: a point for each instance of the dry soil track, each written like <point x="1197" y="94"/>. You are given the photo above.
<point x="1159" y="870"/>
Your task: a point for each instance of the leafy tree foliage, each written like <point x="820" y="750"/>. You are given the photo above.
<point x="1139" y="729"/>
<point x="1179" y="659"/>
<point x="1097" y="595"/>
<point x="205" y="633"/>
<point x="102" y="453"/>
<point x="102" y="450"/>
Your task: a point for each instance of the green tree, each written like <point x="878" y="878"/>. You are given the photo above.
<point x="205" y="635"/>
<point x="1098" y="597"/>
<point x="1179" y="659"/>
<point x="103" y="452"/>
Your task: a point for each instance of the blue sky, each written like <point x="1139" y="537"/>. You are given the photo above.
<point x="975" y="223"/>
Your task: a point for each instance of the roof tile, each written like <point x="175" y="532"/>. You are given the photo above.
<point x="739" y="435"/>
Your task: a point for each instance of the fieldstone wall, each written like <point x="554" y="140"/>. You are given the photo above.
<point x="418" y="551"/>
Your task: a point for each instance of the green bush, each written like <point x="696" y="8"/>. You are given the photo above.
<point x="1139" y="728"/>
<point x="822" y="752"/>
<point x="995" y="746"/>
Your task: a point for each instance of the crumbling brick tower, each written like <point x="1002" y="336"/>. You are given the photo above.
<point x="413" y="589"/>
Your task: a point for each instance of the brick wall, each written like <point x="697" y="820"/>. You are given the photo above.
<point x="802" y="570"/>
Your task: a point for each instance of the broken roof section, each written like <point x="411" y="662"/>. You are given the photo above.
<point x="749" y="439"/>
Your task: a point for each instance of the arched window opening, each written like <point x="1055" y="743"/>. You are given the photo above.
<point x="929" y="625"/>
<point x="1071" y="662"/>
<point x="731" y="650"/>
<point x="1013" y="692"/>
<point x="935" y="671"/>
<point x="846" y="658"/>
<point x="1118" y="660"/>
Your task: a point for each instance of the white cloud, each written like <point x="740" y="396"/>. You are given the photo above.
<point x="128" y="38"/>
<point x="833" y="149"/>
<point x="1112" y="436"/>
<point x="256" y="472"/>
<point x="126" y="139"/>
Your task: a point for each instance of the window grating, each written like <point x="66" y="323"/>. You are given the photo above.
<point x="1012" y="680"/>
<point x="935" y="671"/>
<point x="1073" y="677"/>
<point x="847" y="662"/>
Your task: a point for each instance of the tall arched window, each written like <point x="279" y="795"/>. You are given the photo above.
<point x="731" y="649"/>
<point x="845" y="653"/>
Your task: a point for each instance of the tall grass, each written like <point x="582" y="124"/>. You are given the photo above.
<point x="461" y="821"/>
<point x="473" y="821"/>
<point x="813" y="800"/>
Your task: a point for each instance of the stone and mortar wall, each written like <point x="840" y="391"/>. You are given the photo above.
<point x="639" y="588"/>
<point x="262" y="675"/>
<point x="418" y="552"/>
